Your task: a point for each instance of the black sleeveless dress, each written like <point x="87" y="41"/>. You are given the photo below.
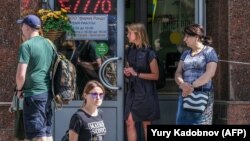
<point x="141" y="97"/>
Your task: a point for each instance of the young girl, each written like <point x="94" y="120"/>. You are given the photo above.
<point x="141" y="69"/>
<point x="87" y="123"/>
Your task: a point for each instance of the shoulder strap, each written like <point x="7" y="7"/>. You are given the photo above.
<point x="52" y="45"/>
<point x="54" y="49"/>
<point x="52" y="73"/>
<point x="86" y="44"/>
<point x="72" y="55"/>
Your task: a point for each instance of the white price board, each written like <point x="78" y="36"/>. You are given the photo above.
<point x="89" y="26"/>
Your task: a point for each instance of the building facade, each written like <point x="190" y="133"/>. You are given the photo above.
<point x="225" y="20"/>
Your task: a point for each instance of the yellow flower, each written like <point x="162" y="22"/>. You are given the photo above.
<point x="55" y="20"/>
<point x="50" y="14"/>
<point x="57" y="17"/>
<point x="58" y="12"/>
<point x="44" y="18"/>
<point x="64" y="10"/>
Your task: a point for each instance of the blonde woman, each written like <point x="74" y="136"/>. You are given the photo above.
<point x="141" y="69"/>
<point x="87" y="123"/>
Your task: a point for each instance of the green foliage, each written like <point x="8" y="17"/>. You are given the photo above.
<point x="55" y="20"/>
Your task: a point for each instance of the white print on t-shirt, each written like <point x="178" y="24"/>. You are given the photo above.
<point x="97" y="128"/>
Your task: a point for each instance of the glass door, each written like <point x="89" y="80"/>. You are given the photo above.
<point x="166" y="21"/>
<point x="99" y="39"/>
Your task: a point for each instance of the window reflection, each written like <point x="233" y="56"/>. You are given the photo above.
<point x="100" y="50"/>
<point x="166" y="20"/>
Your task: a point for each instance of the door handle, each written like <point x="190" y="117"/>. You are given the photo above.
<point x="102" y="76"/>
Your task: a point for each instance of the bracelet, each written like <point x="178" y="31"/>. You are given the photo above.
<point x="136" y="75"/>
<point x="16" y="90"/>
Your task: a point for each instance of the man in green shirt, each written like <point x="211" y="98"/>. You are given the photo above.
<point x="33" y="80"/>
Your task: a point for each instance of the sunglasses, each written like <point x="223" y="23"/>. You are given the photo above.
<point x="95" y="95"/>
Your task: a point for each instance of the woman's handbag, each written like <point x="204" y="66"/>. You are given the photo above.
<point x="196" y="101"/>
<point x="65" y="136"/>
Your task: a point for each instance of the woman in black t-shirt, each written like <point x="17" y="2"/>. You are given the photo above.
<point x="87" y="123"/>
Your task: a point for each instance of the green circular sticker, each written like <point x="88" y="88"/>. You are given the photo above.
<point x="101" y="49"/>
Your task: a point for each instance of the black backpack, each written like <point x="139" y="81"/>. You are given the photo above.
<point x="161" y="82"/>
<point x="63" y="79"/>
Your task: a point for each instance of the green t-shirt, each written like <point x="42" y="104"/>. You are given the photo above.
<point x="38" y="54"/>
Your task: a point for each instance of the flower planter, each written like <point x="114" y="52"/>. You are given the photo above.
<point x="53" y="34"/>
<point x="55" y="23"/>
